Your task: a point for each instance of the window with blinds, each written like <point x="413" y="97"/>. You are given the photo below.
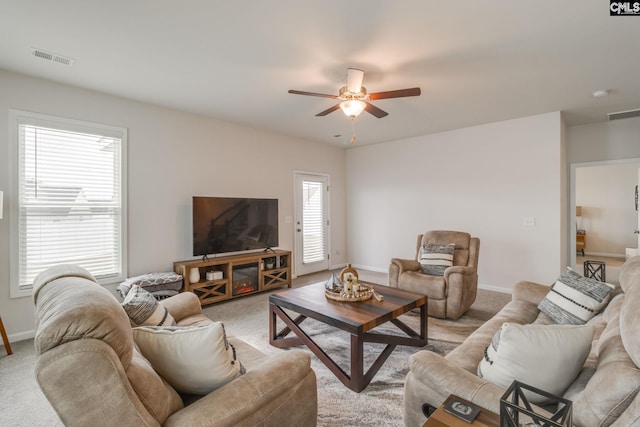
<point x="70" y="196"/>
<point x="313" y="220"/>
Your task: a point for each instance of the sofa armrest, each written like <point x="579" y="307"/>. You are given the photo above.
<point x="183" y="305"/>
<point x="280" y="391"/>
<point x="77" y="376"/>
<point x="399" y="266"/>
<point x="445" y="378"/>
<point x="459" y="269"/>
<point x="529" y="292"/>
<point x="432" y="378"/>
<point x="406" y="264"/>
<point x="462" y="288"/>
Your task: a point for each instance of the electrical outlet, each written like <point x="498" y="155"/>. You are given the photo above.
<point x="529" y="221"/>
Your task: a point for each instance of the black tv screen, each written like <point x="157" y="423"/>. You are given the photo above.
<point x="228" y="224"/>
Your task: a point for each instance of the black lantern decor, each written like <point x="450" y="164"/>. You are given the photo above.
<point x="515" y="409"/>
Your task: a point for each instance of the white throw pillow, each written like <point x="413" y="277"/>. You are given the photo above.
<point x="548" y="357"/>
<point x="194" y="359"/>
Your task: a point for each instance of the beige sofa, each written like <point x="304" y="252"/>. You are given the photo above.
<point x="92" y="373"/>
<point x="604" y="393"/>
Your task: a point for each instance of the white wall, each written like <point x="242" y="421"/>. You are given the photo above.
<point x="172" y="157"/>
<point x="606" y="194"/>
<point x="614" y="140"/>
<point x="483" y="179"/>
<point x="617" y="140"/>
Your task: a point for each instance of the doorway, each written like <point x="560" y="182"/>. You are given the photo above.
<point x="602" y="209"/>
<point x="311" y="222"/>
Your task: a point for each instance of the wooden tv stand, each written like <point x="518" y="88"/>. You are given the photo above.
<point x="254" y="273"/>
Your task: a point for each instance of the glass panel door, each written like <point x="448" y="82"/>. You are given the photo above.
<point x="311" y="223"/>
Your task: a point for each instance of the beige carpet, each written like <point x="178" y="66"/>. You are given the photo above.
<point x="380" y="404"/>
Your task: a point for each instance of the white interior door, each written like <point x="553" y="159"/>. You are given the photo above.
<point x="311" y="223"/>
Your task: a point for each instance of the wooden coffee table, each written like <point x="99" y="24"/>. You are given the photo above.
<point x="356" y="318"/>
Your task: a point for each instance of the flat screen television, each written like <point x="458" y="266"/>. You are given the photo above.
<point x="228" y="224"/>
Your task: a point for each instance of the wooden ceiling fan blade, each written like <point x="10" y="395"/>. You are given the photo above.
<point x="400" y="93"/>
<point x="322" y="95"/>
<point x="354" y="80"/>
<point x="372" y="109"/>
<point x="328" y="110"/>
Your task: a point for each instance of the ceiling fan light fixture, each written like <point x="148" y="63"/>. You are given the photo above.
<point x="352" y="107"/>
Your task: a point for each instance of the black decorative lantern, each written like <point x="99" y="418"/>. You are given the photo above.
<point x="516" y="411"/>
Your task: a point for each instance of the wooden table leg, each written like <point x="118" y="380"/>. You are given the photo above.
<point x="357" y="364"/>
<point x="7" y="345"/>
<point x="358" y="380"/>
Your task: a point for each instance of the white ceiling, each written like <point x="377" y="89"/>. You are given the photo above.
<point x="476" y="61"/>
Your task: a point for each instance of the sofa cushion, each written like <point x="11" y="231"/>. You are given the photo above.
<point x="144" y="310"/>
<point x="575" y="299"/>
<point x="460" y="239"/>
<point x="548" y="357"/>
<point x="160" y="399"/>
<point x="194" y="360"/>
<point x="434" y="259"/>
<point x="610" y="380"/>
<point x="419" y="282"/>
<point x="74" y="307"/>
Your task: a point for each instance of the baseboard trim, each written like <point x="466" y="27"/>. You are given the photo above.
<point x="369" y="268"/>
<point x="21" y="336"/>
<point x="337" y="266"/>
<point x="495" y="289"/>
<point x="604" y="254"/>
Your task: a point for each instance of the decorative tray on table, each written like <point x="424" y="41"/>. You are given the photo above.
<point x="362" y="294"/>
<point x="350" y="290"/>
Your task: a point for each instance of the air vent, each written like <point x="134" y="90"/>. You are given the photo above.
<point x="623" y="114"/>
<point x="38" y="53"/>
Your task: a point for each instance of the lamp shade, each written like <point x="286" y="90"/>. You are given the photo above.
<point x="352" y="107"/>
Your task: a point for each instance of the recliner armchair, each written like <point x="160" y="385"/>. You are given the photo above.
<point x="93" y="374"/>
<point x="450" y="295"/>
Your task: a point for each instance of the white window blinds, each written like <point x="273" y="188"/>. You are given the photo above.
<point x="313" y="220"/>
<point x="70" y="199"/>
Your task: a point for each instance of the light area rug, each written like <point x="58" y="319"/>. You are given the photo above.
<point x="381" y="403"/>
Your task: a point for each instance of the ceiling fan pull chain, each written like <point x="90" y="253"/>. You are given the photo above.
<point x="353" y="130"/>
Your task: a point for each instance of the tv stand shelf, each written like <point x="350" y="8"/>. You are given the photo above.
<point x="242" y="274"/>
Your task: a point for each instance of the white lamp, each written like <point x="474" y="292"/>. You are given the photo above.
<point x="352" y="107"/>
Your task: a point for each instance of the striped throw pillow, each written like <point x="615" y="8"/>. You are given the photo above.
<point x="434" y="259"/>
<point x="144" y="310"/>
<point x="574" y="299"/>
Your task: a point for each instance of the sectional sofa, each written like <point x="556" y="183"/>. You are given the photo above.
<point x="605" y="390"/>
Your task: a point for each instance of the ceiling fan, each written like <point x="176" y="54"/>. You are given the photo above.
<point x="354" y="97"/>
